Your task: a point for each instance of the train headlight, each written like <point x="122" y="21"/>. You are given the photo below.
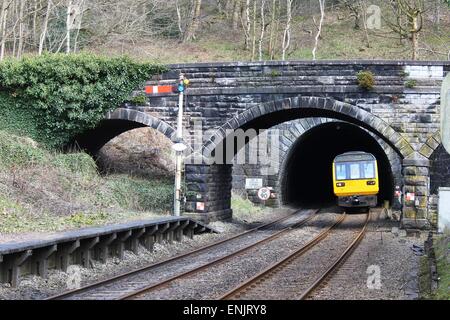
<point x="340" y="184"/>
<point x="370" y="183"/>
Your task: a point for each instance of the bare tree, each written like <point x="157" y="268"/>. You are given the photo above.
<point x="254" y="29"/>
<point x="287" y="29"/>
<point x="235" y="16"/>
<point x="409" y="22"/>
<point x="263" y="27"/>
<point x="246" y="25"/>
<point x="45" y="26"/>
<point x="193" y="25"/>
<point x="4" y="17"/>
<point x="68" y="24"/>
<point x="273" y="29"/>
<point x="21" y="28"/>
<point x="319" y="28"/>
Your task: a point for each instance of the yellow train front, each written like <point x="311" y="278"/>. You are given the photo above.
<point x="355" y="179"/>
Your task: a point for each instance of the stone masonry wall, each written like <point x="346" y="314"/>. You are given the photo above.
<point x="221" y="91"/>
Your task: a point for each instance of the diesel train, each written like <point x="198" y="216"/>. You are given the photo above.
<point x="355" y="179"/>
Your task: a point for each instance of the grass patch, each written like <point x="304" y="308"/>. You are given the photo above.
<point x="42" y="190"/>
<point x="244" y="209"/>
<point x="442" y="250"/>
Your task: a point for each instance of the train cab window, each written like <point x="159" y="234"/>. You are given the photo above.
<point x="354" y="171"/>
<point x="368" y="170"/>
<point x="341" y="172"/>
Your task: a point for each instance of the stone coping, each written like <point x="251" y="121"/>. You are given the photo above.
<point x="90" y="232"/>
<point x="310" y="62"/>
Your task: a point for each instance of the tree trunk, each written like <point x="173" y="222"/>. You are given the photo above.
<point x="247" y="25"/>
<point x="75" y="40"/>
<point x="272" y="28"/>
<point x="261" y="36"/>
<point x="44" y="28"/>
<point x="415" y="38"/>
<point x="21" y="29"/>
<point x="322" y="15"/>
<point x="4" y="16"/>
<point x="180" y="28"/>
<point x="363" y="7"/>
<point x="254" y="30"/>
<point x="287" y="29"/>
<point x="437" y="14"/>
<point x="236" y="10"/>
<point x="68" y="26"/>
<point x="193" y="25"/>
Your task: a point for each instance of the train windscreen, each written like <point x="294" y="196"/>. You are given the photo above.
<point x="355" y="170"/>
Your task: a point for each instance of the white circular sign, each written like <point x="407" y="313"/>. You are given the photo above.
<point x="179" y="147"/>
<point x="264" y="193"/>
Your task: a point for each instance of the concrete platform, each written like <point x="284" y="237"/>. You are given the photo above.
<point x="81" y="246"/>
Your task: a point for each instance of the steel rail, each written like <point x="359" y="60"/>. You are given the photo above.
<point x="152" y="287"/>
<point x="272" y="268"/>
<point x="338" y="262"/>
<point x="100" y="283"/>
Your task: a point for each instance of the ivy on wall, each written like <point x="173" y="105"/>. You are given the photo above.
<point x="54" y="97"/>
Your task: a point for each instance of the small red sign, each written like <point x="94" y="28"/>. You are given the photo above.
<point x="158" y="89"/>
<point x="410" y="196"/>
<point x="200" y="206"/>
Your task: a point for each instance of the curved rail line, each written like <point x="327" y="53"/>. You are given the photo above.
<point x="277" y="266"/>
<point x="278" y="234"/>
<point x="98" y="284"/>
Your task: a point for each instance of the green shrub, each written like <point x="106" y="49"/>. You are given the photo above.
<point x="54" y="97"/>
<point x="411" y="83"/>
<point x="366" y="79"/>
<point x="139" y="100"/>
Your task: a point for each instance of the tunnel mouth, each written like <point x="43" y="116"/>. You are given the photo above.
<point x="307" y="177"/>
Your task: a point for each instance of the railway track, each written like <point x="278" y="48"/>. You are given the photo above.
<point x="295" y="276"/>
<point x="215" y="278"/>
<point x="136" y="282"/>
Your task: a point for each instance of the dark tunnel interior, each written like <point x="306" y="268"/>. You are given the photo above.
<point x="94" y="139"/>
<point x="308" y="173"/>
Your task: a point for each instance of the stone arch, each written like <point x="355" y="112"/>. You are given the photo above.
<point x="117" y="122"/>
<point x="144" y="119"/>
<point x="271" y="113"/>
<point x="431" y="144"/>
<point x="302" y="126"/>
<point x="295" y="130"/>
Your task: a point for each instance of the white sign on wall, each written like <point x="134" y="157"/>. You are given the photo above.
<point x="253" y="183"/>
<point x="264" y="194"/>
<point x="444" y="209"/>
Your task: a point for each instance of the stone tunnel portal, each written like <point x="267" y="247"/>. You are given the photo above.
<point x="307" y="175"/>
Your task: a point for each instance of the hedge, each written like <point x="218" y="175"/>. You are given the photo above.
<point x="54" y="97"/>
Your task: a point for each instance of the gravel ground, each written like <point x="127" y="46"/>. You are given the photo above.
<point x="34" y="287"/>
<point x="392" y="253"/>
<point x="292" y="279"/>
<point x="156" y="274"/>
<point x="216" y="280"/>
<point x="384" y="246"/>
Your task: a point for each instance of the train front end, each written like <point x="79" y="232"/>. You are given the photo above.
<point x="355" y="180"/>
